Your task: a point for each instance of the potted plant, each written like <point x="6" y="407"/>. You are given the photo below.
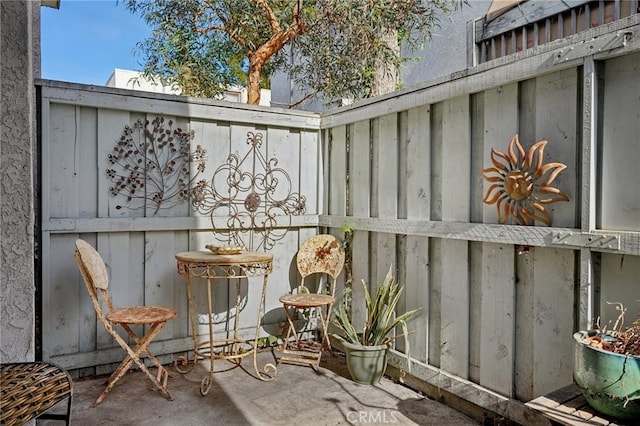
<point x="607" y="369"/>
<point x="366" y="349"/>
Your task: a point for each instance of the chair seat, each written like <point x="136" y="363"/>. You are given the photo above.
<point x="307" y="300"/>
<point x="141" y="315"/>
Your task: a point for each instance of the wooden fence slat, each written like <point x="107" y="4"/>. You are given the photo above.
<point x="555" y="122"/>
<point x="552" y="320"/>
<point x="161" y="285"/>
<point x="495" y="265"/>
<point x="384" y="196"/>
<point x="415" y="262"/>
<point x="454" y="161"/>
<point x="418" y="171"/>
<point x="61" y="320"/>
<point x="620" y="144"/>
<point x="616" y="272"/>
<point x="360" y="192"/>
<point x="416" y="282"/>
<point x="497" y="348"/>
<point x="284" y="145"/>
<point x="110" y="125"/>
<point x="62" y="183"/>
<point x="338" y="167"/>
<point x="500" y="126"/>
<point x="309" y="170"/>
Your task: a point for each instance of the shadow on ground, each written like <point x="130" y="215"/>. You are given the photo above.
<point x="297" y="396"/>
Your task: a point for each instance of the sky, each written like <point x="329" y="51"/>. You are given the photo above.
<point x="85" y="40"/>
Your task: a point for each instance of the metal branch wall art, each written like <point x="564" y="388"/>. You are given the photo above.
<point x="253" y="195"/>
<point x="521" y="184"/>
<point x="152" y="163"/>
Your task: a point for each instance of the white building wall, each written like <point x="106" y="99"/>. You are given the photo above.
<point x="134" y="80"/>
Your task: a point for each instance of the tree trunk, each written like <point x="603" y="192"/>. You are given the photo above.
<point x="253" y="88"/>
<point x="386" y="78"/>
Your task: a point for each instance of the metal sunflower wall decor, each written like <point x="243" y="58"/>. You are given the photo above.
<point x="152" y="163"/>
<point x="521" y="184"/>
<point x="253" y="194"/>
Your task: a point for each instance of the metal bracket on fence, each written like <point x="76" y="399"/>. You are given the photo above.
<point x="575" y="239"/>
<point x="600" y="44"/>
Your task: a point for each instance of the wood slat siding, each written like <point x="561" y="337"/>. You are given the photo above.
<point x="415" y="172"/>
<point x="80" y="126"/>
<point x="500" y="302"/>
<point x="359" y="205"/>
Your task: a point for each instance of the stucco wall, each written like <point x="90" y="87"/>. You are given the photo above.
<point x="17" y="142"/>
<point x="448" y="48"/>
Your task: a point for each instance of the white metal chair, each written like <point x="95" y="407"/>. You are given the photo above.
<point x="94" y="273"/>
<point x="320" y="254"/>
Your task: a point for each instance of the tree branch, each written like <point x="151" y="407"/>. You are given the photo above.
<point x="273" y="21"/>
<point x="218" y="12"/>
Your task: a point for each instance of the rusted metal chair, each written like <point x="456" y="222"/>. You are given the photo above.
<point x="28" y="390"/>
<point x="320" y="254"/>
<point x="94" y="273"/>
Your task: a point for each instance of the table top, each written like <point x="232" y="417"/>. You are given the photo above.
<point x="205" y="256"/>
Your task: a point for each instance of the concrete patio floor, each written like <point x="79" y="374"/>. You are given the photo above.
<point x="298" y="396"/>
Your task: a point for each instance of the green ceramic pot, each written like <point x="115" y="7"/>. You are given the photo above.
<point x="366" y="364"/>
<point x="610" y="382"/>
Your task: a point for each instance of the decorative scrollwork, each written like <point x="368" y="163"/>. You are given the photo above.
<point x="238" y="270"/>
<point x="255" y="196"/>
<point x="151" y="162"/>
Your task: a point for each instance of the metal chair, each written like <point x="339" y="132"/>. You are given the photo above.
<point x="321" y="254"/>
<point x="94" y="273"/>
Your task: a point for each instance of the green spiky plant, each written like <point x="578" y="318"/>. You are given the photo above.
<point x="381" y="316"/>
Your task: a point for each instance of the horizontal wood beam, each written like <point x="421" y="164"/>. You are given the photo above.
<point x="463" y="395"/>
<point x="494" y="233"/>
<point x="114" y="355"/>
<point x="144" y="224"/>
<point x="629" y="242"/>
<point x="185" y="106"/>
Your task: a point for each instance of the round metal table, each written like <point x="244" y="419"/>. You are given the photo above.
<point x="216" y="267"/>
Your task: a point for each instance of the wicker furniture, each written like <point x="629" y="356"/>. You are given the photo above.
<point x="94" y="273"/>
<point x="29" y="389"/>
<point x="321" y="254"/>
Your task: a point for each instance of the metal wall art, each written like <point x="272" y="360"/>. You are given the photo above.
<point x="520" y="184"/>
<point x="152" y="163"/>
<point x="252" y="195"/>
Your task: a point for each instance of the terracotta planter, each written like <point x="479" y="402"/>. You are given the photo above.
<point x="610" y="382"/>
<point x="366" y="364"/>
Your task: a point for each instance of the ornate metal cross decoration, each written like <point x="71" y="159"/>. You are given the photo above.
<point x="253" y="194"/>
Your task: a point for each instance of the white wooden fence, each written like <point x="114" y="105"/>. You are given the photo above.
<point x="80" y="128"/>
<point x="499" y="303"/>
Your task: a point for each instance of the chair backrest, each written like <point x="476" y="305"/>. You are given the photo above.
<point x="95" y="276"/>
<point x="320" y="254"/>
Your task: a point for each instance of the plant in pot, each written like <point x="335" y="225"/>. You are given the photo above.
<point x="607" y="368"/>
<point x="366" y="349"/>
